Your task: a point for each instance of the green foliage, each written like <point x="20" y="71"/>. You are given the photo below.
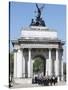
<point x="11" y="57"/>
<point x="37" y="65"/>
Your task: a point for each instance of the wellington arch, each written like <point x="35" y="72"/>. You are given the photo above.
<point x="37" y="40"/>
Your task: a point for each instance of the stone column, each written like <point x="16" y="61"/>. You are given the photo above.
<point x="23" y="64"/>
<point x="50" y="64"/>
<point x="19" y="64"/>
<point x="57" y="65"/>
<point x="29" y="64"/>
<point x="15" y="63"/>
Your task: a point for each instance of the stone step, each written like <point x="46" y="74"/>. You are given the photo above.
<point x="23" y="81"/>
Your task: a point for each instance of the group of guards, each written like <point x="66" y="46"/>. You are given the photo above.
<point x="46" y="81"/>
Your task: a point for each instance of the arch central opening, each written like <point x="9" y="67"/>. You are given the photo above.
<point x="39" y="65"/>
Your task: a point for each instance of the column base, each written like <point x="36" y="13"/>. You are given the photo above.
<point x="62" y="78"/>
<point x="23" y="80"/>
<point x="58" y="79"/>
<point x="46" y="73"/>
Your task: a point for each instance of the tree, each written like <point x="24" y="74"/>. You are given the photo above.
<point x="38" y="65"/>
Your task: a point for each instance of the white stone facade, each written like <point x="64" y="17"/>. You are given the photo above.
<point x="38" y="42"/>
<point x="37" y="32"/>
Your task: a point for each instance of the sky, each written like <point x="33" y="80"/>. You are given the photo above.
<point x="21" y="14"/>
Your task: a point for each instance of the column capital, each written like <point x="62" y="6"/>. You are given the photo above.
<point x="29" y="48"/>
<point x="59" y="49"/>
<point x="21" y="48"/>
<point x="53" y="48"/>
<point x="49" y="48"/>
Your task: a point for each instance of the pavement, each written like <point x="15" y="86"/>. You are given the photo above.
<point x="61" y="83"/>
<point x="17" y="85"/>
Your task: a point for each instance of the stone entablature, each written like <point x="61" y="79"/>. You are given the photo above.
<point x="39" y="46"/>
<point x="37" y="43"/>
<point x="22" y="40"/>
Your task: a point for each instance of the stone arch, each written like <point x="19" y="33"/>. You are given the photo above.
<point x="41" y="56"/>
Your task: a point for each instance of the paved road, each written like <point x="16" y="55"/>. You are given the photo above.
<point x="35" y="85"/>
